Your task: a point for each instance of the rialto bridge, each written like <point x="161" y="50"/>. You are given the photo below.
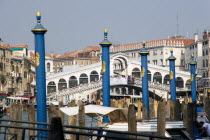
<point x="84" y="82"/>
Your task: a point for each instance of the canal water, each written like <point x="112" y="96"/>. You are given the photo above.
<point x="89" y="122"/>
<point x="88" y="119"/>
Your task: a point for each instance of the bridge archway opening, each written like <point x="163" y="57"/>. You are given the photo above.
<point x="157" y="78"/>
<point x="188" y="84"/>
<point x="94" y="76"/>
<point x="136" y="73"/>
<point x="83" y="78"/>
<point x="119" y="66"/>
<point x="73" y="81"/>
<point x="166" y="79"/>
<point x="179" y="82"/>
<point x="149" y="75"/>
<point x="51" y="87"/>
<point x="62" y="84"/>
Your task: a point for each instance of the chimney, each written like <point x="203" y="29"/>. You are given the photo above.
<point x="51" y="54"/>
<point x="196" y="37"/>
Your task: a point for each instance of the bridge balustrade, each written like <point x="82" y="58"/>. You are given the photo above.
<point x="98" y="84"/>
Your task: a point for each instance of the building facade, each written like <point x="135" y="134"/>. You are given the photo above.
<point x="17" y="73"/>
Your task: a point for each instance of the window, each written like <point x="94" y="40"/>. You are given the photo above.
<point x="203" y="63"/>
<point x="161" y="60"/>
<point x="25" y="74"/>
<point x="48" y="67"/>
<point x="206" y="63"/>
<point x="161" y="52"/>
<point x="155" y="62"/>
<point x="182" y="52"/>
<point x="182" y="62"/>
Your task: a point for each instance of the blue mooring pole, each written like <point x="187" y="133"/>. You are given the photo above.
<point x="144" y="75"/>
<point x="172" y="76"/>
<point x="105" y="71"/>
<point x="39" y="32"/>
<point x="193" y="78"/>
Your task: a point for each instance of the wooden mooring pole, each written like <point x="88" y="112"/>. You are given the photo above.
<point x="56" y="129"/>
<point x="132" y="120"/>
<point x="161" y="121"/>
<point x="31" y="118"/>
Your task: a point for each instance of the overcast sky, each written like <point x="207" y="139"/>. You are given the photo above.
<point x="75" y="24"/>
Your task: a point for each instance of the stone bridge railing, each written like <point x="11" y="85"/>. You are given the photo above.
<point x="98" y="85"/>
<point x="158" y="86"/>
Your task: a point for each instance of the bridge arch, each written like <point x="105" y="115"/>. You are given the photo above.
<point x="62" y="84"/>
<point x="157" y="78"/>
<point x="51" y="87"/>
<point x="83" y="79"/>
<point x="119" y="64"/>
<point x="179" y="82"/>
<point x="94" y="76"/>
<point x="73" y="81"/>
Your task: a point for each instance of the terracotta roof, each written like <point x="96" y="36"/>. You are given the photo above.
<point x="5" y="46"/>
<point x="185" y="42"/>
<point x="19" y="46"/>
<point x="70" y="54"/>
<point x="54" y="55"/>
<point x="92" y="48"/>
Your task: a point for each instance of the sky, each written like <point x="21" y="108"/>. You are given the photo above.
<point x="75" y="24"/>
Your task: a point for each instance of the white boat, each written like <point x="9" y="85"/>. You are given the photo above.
<point x="174" y="129"/>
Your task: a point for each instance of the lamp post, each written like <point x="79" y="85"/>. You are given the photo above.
<point x="105" y="71"/>
<point x="172" y="76"/>
<point x="144" y="75"/>
<point x="39" y="32"/>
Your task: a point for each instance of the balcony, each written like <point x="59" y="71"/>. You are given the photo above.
<point x="11" y="89"/>
<point x="27" y="93"/>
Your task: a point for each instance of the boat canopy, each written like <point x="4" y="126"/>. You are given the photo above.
<point x="91" y="110"/>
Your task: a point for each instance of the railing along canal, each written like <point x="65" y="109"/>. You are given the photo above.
<point x="55" y="131"/>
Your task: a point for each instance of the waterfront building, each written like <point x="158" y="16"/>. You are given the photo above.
<point x="159" y="51"/>
<point x="17" y="71"/>
<point x="88" y="56"/>
<point x="200" y="50"/>
<point x="5" y="70"/>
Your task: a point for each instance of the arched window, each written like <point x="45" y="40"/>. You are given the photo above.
<point x="166" y="79"/>
<point x="83" y="78"/>
<point x="94" y="76"/>
<point x="157" y="77"/>
<point x="62" y="84"/>
<point x="136" y="72"/>
<point x="51" y="87"/>
<point x="179" y="82"/>
<point x="73" y="81"/>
